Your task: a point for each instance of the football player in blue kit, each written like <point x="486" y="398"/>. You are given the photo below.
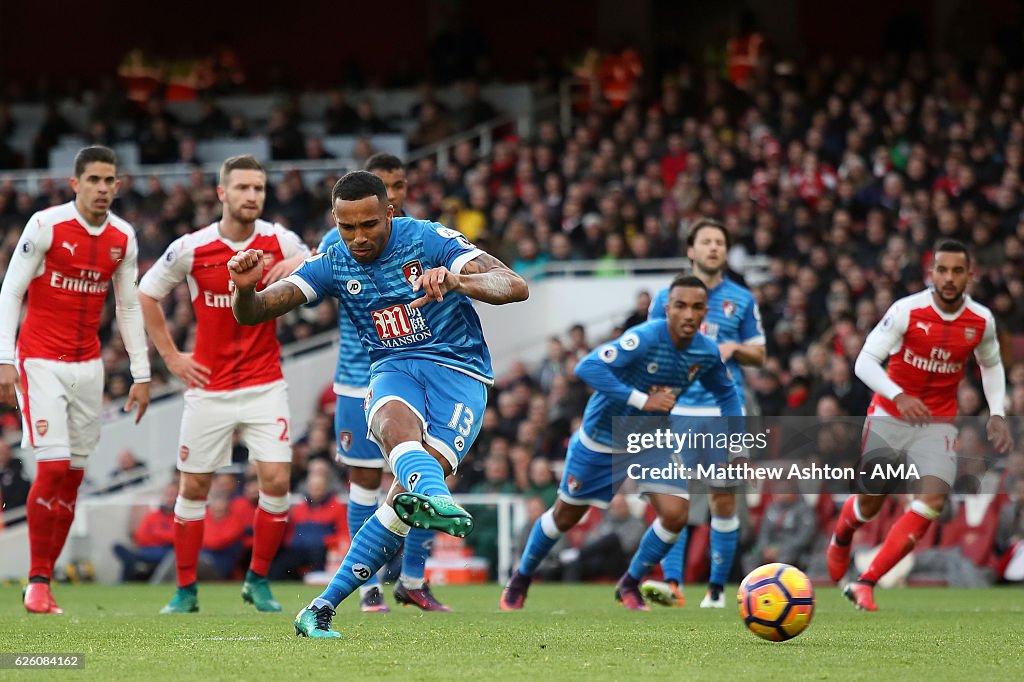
<point x="734" y="323"/>
<point x="406" y="285"/>
<point x="358" y="453"/>
<point x="641" y="373"/>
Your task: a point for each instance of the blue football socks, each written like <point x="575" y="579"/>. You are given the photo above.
<point x="725" y="535"/>
<point x="362" y="503"/>
<point x="656" y="543"/>
<point x="417" y="471"/>
<point x="543" y="537"/>
<point x="374" y="544"/>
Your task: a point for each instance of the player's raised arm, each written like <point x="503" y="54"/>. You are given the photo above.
<point x="253" y="307"/>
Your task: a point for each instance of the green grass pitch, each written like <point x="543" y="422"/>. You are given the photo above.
<point x="566" y="632"/>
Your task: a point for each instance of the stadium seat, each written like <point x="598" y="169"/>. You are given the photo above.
<point x="127" y="155"/>
<point x="1018" y="345"/>
<point x="976" y="542"/>
<point x="577" y="535"/>
<point x="696" y="567"/>
<point x="62" y="157"/>
<point x="220" y="149"/>
<point x="826" y="510"/>
<point x="342" y="146"/>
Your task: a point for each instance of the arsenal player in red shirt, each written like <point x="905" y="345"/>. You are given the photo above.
<point x="927" y="338"/>
<point x="64" y="263"/>
<point x="233" y="376"/>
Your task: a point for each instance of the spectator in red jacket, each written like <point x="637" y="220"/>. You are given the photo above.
<point x="222" y="539"/>
<point x="317" y="524"/>
<point x="154" y="539"/>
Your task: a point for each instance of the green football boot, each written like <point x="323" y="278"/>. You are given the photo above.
<point x="315" y="622"/>
<point x="434" y="512"/>
<point x="256" y="591"/>
<point x="185" y="600"/>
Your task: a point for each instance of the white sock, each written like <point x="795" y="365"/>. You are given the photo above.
<point x="411" y="583"/>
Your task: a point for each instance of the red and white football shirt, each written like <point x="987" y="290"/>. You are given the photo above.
<point x="65" y="267"/>
<point x="237" y="355"/>
<point x="928" y="349"/>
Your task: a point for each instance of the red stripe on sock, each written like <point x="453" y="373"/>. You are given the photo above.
<point x="42" y="514"/>
<point x="267" y="532"/>
<point x="901" y="539"/>
<point x="188" y="540"/>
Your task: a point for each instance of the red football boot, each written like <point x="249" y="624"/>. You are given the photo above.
<point x="39" y="599"/>
<point x="862" y="595"/>
<point x="627" y="593"/>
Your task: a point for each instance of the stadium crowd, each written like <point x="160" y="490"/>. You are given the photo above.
<point x="833" y="184"/>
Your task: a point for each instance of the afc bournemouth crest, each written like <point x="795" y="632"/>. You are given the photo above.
<point x="970" y="333"/>
<point x="183" y="453"/>
<point x="729" y="308"/>
<point x="692" y="374"/>
<point x="116" y="253"/>
<point x="345" y="440"/>
<point x="42" y="426"/>
<point x="573" y="484"/>
<point x="412" y="270"/>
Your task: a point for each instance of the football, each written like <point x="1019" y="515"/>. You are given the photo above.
<point x="776" y="602"/>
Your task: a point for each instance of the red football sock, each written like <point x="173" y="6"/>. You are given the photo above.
<point x="848" y="522"/>
<point x="267" y="532"/>
<point x="41" y="510"/>
<point x="901" y="539"/>
<point x="188" y="537"/>
<point x="65" y="511"/>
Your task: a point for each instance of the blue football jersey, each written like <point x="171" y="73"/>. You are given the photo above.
<point x="376" y="298"/>
<point x="353" y="369"/>
<point x="732" y="316"/>
<point x="623" y="371"/>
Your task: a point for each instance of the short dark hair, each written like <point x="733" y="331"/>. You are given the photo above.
<point x="240" y="162"/>
<point x="701" y="223"/>
<point x="953" y="246"/>
<point x="384" y="162"/>
<point x="359" y="185"/>
<point x="94" y="154"/>
<point x="689" y="281"/>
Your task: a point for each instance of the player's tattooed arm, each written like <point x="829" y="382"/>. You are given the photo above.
<point x="487" y="279"/>
<point x="484" y="278"/>
<point x="255" y="307"/>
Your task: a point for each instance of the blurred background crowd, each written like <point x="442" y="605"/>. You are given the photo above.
<point x="834" y="179"/>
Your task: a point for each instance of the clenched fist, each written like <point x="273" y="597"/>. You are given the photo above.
<point x="246" y="268"/>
